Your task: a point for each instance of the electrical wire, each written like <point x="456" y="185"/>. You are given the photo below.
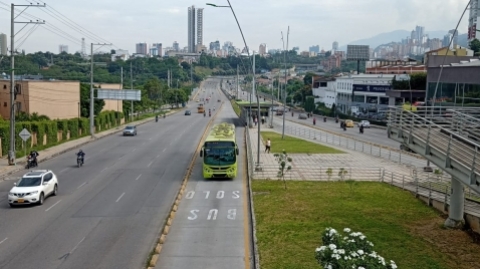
<point x="27" y="35"/>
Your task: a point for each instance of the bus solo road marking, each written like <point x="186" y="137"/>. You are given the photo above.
<point x="212" y="214"/>
<point x="219" y="195"/>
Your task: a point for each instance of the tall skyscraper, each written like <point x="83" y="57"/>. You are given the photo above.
<point x="473" y="19"/>
<point x="3" y="44"/>
<point x="195" y="28"/>
<point x="335" y="46"/>
<point x="419" y="31"/>
<point x="159" y="48"/>
<point x="141" y="48"/>
<point x="62" y="48"/>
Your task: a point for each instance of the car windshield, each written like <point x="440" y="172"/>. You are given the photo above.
<point x="220" y="153"/>
<point x="129" y="128"/>
<point x="30" y="182"/>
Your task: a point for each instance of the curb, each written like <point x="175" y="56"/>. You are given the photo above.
<point x="48" y="157"/>
<point x="155" y="254"/>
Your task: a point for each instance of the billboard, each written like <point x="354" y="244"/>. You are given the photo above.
<point x="131" y="95"/>
<point x="358" y="53"/>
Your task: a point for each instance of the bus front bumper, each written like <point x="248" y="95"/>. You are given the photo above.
<point x="219" y="172"/>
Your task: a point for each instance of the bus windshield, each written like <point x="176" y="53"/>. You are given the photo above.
<point x="220" y="153"/>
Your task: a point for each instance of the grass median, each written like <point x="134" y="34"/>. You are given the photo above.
<point x="295" y="145"/>
<point x="290" y="223"/>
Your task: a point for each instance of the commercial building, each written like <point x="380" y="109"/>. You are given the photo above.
<point x="408" y="66"/>
<point x="55" y="99"/>
<point x="456" y="51"/>
<point x="3" y="44"/>
<point x="159" y="49"/>
<point x="195" y="29"/>
<point x="324" y="90"/>
<point x="141" y="48"/>
<point x="473" y="19"/>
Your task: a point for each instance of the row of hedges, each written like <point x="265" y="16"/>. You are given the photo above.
<point x="51" y="129"/>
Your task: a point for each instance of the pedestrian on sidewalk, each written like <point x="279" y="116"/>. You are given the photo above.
<point x="255" y="121"/>
<point x="267" y="146"/>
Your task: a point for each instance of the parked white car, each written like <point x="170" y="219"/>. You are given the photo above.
<point x="364" y="123"/>
<point x="33" y="188"/>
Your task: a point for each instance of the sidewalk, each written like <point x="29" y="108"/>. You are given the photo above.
<point x="51" y="152"/>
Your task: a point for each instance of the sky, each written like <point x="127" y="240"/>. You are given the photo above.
<point x="312" y="22"/>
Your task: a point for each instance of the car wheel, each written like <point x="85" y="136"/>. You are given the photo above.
<point x="55" y="190"/>
<point x="41" y="199"/>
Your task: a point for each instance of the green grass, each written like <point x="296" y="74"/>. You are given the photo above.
<point x="203" y="71"/>
<point x="294" y="145"/>
<point x="290" y="223"/>
<point x="236" y="108"/>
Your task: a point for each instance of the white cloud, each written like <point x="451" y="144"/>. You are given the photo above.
<point x="312" y="21"/>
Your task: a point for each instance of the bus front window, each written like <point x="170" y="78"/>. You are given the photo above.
<point x="219" y="155"/>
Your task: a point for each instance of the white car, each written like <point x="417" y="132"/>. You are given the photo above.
<point x="364" y="123"/>
<point x="33" y="188"/>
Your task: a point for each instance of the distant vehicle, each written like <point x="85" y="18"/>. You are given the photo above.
<point x="349" y="123"/>
<point x="219" y="100"/>
<point x="279" y="112"/>
<point x="302" y="116"/>
<point x="201" y="108"/>
<point x="364" y="123"/>
<point x="33" y="188"/>
<point x="188" y="112"/>
<point x="220" y="152"/>
<point x="130" y="130"/>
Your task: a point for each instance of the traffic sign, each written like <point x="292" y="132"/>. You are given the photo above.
<point x="25" y="134"/>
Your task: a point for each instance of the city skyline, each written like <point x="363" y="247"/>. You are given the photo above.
<point x="132" y="23"/>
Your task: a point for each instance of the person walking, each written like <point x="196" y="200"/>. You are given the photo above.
<point x="267" y="146"/>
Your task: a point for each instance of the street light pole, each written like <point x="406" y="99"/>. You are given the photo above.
<point x="92" y="95"/>
<point x="11" y="152"/>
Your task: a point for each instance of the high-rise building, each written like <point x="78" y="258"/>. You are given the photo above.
<point x="262" y="49"/>
<point x="176" y="46"/>
<point x="141" y="48"/>
<point x="420" y="32"/>
<point x="315" y="49"/>
<point x="3" y="44"/>
<point x="473" y="19"/>
<point x="63" y="48"/>
<point x="195" y="28"/>
<point x="159" y="48"/>
<point x="335" y="46"/>
<point x="454" y="34"/>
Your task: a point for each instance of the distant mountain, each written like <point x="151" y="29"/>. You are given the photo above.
<point x="397" y="36"/>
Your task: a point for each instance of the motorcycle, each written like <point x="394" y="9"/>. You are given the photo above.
<point x="156" y="118"/>
<point x="79" y="161"/>
<point x="361" y="129"/>
<point x="324" y="119"/>
<point x="30" y="162"/>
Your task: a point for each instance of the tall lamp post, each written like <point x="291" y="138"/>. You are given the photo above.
<point x="92" y="90"/>
<point x="253" y="70"/>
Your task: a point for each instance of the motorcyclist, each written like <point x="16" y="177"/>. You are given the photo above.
<point x="33" y="155"/>
<point x="81" y="154"/>
<point x="361" y="128"/>
<point x="205" y="114"/>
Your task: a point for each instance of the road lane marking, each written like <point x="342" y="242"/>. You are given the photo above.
<point x="83" y="184"/>
<point x="76" y="246"/>
<point x="164" y="149"/>
<point x="150" y="163"/>
<point x="3" y="240"/>
<point x="46" y="210"/>
<point x="120" y="197"/>
<point x="139" y="176"/>
<point x="63" y="170"/>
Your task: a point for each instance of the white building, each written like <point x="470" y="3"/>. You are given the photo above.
<point x="120" y="55"/>
<point x="324" y="91"/>
<point x="362" y="92"/>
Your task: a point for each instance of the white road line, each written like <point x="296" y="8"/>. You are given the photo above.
<point x="120" y="197"/>
<point x="164" y="150"/>
<point x="139" y="176"/>
<point x="53" y="206"/>
<point x="83" y="184"/>
<point x="3" y="240"/>
<point x="150" y="163"/>
<point x="63" y="170"/>
<point x="76" y="246"/>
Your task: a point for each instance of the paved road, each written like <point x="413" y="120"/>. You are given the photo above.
<point x="209" y="228"/>
<point x="109" y="213"/>
<point x="372" y="135"/>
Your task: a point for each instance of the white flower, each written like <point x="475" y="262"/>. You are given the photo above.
<point x="347" y="230"/>
<point x="370" y="243"/>
<point x="360" y="252"/>
<point x="329" y="266"/>
<point x="362" y="237"/>
<point x="360" y="267"/>
<point x="393" y="265"/>
<point x="322" y="248"/>
<point x="332" y="246"/>
<point x="341" y="251"/>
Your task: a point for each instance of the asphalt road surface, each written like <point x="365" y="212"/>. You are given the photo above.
<point x="210" y="229"/>
<point x="109" y="213"/>
<point x="372" y="135"/>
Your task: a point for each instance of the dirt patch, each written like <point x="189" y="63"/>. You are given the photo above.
<point x="461" y="247"/>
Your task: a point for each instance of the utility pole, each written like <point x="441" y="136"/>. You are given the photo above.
<point x="11" y="152"/>
<point x="121" y="87"/>
<point x="131" y="88"/>
<point x="285" y="86"/>
<point x="258" y="114"/>
<point x="237" y="82"/>
<point x="92" y="90"/>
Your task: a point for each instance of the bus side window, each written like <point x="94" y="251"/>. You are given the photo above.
<point x="237" y="151"/>
<point x="201" y="153"/>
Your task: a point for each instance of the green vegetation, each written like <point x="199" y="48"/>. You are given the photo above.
<point x="290" y="223"/>
<point x="236" y="108"/>
<point x="295" y="145"/>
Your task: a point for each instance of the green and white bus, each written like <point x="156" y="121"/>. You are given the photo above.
<point x="220" y="152"/>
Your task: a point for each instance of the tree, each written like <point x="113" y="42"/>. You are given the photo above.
<point x="85" y="102"/>
<point x="475" y="46"/>
<point x="310" y="104"/>
<point x="307" y="79"/>
<point x="284" y="165"/>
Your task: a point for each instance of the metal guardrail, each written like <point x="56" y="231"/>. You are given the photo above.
<point x="387" y="153"/>
<point x="454" y="135"/>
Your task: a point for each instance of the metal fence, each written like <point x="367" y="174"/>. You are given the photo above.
<point x="387" y="153"/>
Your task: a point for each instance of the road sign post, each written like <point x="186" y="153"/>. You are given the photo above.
<point x="25" y="135"/>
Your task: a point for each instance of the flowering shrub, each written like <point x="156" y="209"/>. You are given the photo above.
<point x="352" y="251"/>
